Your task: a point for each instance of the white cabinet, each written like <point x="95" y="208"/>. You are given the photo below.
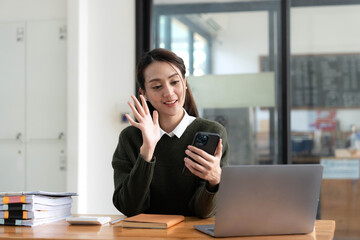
<point x="33" y="106"/>
<point x="46" y="80"/>
<point x="12" y="107"/>
<point x="12" y="80"/>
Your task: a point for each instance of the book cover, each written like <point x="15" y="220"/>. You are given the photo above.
<point x="159" y="221"/>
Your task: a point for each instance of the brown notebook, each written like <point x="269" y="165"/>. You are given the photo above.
<point x="152" y="221"/>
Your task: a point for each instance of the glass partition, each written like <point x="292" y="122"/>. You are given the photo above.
<point x="222" y="45"/>
<point x="325" y="100"/>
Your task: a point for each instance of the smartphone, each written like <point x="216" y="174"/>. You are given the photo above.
<point x="205" y="141"/>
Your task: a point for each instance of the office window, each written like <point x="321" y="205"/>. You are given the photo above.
<point x="182" y="35"/>
<point x="325" y="100"/>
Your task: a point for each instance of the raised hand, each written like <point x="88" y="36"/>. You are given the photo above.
<point x="149" y="127"/>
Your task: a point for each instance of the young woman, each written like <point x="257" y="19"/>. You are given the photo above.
<point x="151" y="154"/>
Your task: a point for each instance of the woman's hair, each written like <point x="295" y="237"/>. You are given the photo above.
<point x="164" y="55"/>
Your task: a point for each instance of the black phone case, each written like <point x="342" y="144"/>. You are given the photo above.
<point x="209" y="147"/>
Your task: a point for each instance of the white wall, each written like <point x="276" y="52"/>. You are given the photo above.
<point x="103" y="74"/>
<point x="111" y="82"/>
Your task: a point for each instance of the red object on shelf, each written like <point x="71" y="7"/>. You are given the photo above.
<point x="325" y="121"/>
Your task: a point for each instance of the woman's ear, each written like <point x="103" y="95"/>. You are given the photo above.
<point x="142" y="92"/>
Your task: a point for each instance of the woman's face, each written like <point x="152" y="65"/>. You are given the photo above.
<point x="165" y="88"/>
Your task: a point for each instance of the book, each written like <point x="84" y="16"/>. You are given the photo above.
<point x="158" y="221"/>
<point x="31" y="222"/>
<point x="35" y="199"/>
<point x="34" y="214"/>
<point x="32" y="206"/>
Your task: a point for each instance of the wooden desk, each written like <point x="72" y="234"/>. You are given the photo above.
<point x="324" y="230"/>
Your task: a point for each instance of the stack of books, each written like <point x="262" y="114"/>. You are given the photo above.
<point x="34" y="208"/>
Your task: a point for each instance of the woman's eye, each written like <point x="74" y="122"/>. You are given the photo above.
<point x="175" y="82"/>
<point x="156" y="87"/>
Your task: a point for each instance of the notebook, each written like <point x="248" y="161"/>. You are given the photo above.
<point x="159" y="221"/>
<point x="266" y="200"/>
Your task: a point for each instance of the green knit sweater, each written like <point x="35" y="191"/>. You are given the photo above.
<point x="159" y="186"/>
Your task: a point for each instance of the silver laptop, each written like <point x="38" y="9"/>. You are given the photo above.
<point x="266" y="200"/>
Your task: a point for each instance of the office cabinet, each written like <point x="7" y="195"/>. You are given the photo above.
<point x="46" y="80"/>
<point x="33" y="106"/>
<point x="12" y="84"/>
<point x="12" y="106"/>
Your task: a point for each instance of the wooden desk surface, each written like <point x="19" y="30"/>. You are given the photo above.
<point x="324" y="229"/>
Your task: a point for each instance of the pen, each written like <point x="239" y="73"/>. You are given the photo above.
<point x="116" y="220"/>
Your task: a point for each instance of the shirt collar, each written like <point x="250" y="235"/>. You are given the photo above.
<point x="181" y="127"/>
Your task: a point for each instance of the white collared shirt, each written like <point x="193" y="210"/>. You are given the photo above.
<point x="181" y="127"/>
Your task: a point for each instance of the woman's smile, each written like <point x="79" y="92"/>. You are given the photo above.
<point x="171" y="103"/>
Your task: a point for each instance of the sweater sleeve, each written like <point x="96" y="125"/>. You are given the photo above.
<point x="204" y="201"/>
<point x="132" y="178"/>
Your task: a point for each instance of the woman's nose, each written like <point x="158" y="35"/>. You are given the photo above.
<point x="168" y="91"/>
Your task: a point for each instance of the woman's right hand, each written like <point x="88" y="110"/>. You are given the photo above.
<point x="148" y="125"/>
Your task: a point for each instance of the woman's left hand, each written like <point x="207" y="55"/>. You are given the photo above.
<point x="206" y="166"/>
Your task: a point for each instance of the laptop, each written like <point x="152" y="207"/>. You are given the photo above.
<point x="266" y="200"/>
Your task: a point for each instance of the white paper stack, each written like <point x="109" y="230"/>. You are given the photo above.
<point x="34" y="208"/>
